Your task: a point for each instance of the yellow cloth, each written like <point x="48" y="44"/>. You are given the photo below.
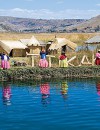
<point x="64" y="87"/>
<point x="63" y="63"/>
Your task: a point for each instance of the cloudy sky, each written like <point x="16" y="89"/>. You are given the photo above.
<point x="50" y="9"/>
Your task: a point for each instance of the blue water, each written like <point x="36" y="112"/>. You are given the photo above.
<point x="60" y="105"/>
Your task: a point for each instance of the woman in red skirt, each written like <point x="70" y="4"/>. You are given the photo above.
<point x="97" y="61"/>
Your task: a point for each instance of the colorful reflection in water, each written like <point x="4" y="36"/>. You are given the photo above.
<point x="45" y="92"/>
<point x="6" y="94"/>
<point x="65" y="104"/>
<point x="98" y="87"/>
<point x="64" y="89"/>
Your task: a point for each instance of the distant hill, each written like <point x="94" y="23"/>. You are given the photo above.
<point x="14" y="24"/>
<point x="91" y="25"/>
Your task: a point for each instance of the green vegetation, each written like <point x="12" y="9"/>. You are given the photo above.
<point x="29" y="73"/>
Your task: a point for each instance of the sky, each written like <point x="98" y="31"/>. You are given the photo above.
<point x="50" y="9"/>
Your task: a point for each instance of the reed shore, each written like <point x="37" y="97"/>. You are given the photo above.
<point x="29" y="73"/>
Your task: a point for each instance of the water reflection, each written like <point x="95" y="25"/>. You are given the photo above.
<point x="45" y="93"/>
<point x="98" y="87"/>
<point x="64" y="89"/>
<point x="6" y="94"/>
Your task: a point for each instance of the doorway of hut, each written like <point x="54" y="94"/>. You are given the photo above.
<point x="11" y="53"/>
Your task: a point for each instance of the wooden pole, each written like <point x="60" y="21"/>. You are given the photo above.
<point x="49" y="56"/>
<point x="92" y="59"/>
<point x="32" y="61"/>
<point x="32" y="58"/>
<point x="49" y="61"/>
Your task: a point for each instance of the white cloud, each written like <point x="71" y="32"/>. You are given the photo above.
<point x="98" y="4"/>
<point x="47" y="14"/>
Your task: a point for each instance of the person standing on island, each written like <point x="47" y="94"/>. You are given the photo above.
<point x="63" y="60"/>
<point x="97" y="61"/>
<point x="5" y="61"/>
<point x="43" y="63"/>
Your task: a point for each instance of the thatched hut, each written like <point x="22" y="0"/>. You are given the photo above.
<point x="93" y="42"/>
<point x="62" y="44"/>
<point x="33" y="45"/>
<point x="13" y="48"/>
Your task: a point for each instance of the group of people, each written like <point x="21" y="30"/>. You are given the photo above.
<point x="44" y="63"/>
<point x="4" y="61"/>
<point x="62" y="59"/>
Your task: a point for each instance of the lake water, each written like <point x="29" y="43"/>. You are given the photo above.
<point x="56" y="105"/>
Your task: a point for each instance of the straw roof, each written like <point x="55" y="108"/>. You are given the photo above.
<point x="9" y="45"/>
<point x="61" y="42"/>
<point x="95" y="39"/>
<point x="32" y="42"/>
<point x="24" y="41"/>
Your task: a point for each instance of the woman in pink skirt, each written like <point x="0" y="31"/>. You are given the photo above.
<point x="5" y="61"/>
<point x="43" y="62"/>
<point x="8" y="63"/>
<point x="2" y="60"/>
<point x="97" y="61"/>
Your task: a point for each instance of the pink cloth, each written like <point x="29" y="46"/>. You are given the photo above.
<point x="43" y="63"/>
<point x="5" y="64"/>
<point x="2" y="63"/>
<point x="98" y="55"/>
<point x="7" y="92"/>
<point x="97" y="61"/>
<point x="8" y="65"/>
<point x="45" y="88"/>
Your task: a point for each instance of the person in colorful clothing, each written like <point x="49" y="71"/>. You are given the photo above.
<point x="2" y="60"/>
<point x="63" y="60"/>
<point x="8" y="63"/>
<point x="43" y="63"/>
<point x="97" y="61"/>
<point x="5" y="61"/>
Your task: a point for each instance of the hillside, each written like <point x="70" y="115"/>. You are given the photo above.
<point x="91" y="25"/>
<point x="13" y="24"/>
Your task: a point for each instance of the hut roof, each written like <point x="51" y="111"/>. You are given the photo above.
<point x="9" y="45"/>
<point x="32" y="42"/>
<point x="42" y="43"/>
<point x="95" y="39"/>
<point x="61" y="42"/>
<point x="24" y="41"/>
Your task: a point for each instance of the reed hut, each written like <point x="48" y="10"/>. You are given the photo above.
<point x="62" y="44"/>
<point x="13" y="48"/>
<point x="93" y="43"/>
<point x="33" y="45"/>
